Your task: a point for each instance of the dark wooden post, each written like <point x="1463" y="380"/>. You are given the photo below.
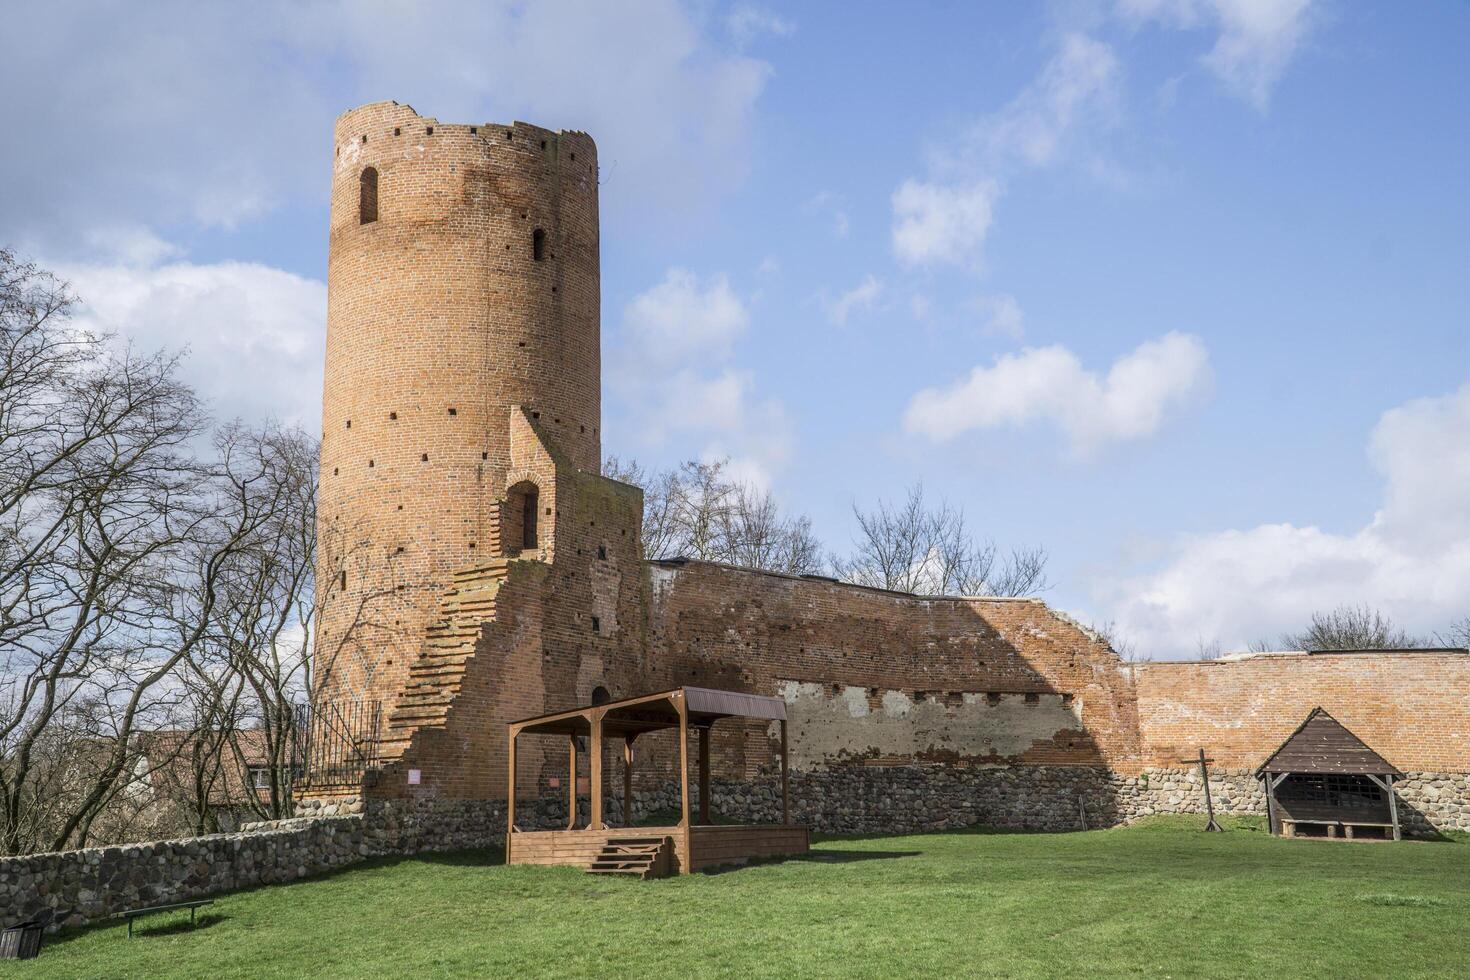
<point x="704" y="775"/>
<point x="628" y="780"/>
<point x="1393" y="806"/>
<point x="785" y="779"/>
<point x="1273" y="780"/>
<point x="1204" y="774"/>
<point x="510" y="793"/>
<point x="595" y="717"/>
<point x="683" y="762"/>
<point x="571" y="782"/>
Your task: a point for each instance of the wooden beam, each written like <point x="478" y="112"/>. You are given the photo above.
<point x="595" y="764"/>
<point x="704" y="775"/>
<point x="510" y="795"/>
<point x="785" y="778"/>
<point x="1272" y="810"/>
<point x="628" y="780"/>
<point x="683" y="764"/>
<point x="1393" y="808"/>
<point x="571" y="782"/>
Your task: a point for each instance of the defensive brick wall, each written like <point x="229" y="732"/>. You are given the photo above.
<point x="1412" y="708"/>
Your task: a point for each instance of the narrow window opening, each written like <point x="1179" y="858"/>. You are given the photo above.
<point x="428" y="130"/>
<point x="600" y="695"/>
<point x="367" y="196"/>
<point x="397" y="131"/>
<point x="424" y="458"/>
<point x="538" y="245"/>
<point x="528" y="521"/>
<point x="349" y="423"/>
<point x="507" y="134"/>
<point x="474" y="130"/>
<point x="596" y="625"/>
<point x="472" y="546"/>
<point x="370" y="464"/>
<point x="602" y="552"/>
<point x="453" y="411"/>
<point x="574" y="156"/>
<point x="484" y="455"/>
<point x="342" y="580"/>
<point x="393" y="416"/>
<point x="334" y="471"/>
<point x="364" y="137"/>
<point x="543" y="144"/>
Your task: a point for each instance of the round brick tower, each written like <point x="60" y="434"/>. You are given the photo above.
<point x="462" y="285"/>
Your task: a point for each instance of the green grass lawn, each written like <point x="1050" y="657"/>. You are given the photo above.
<point x="1156" y="899"/>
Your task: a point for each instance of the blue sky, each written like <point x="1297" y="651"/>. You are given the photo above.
<point x="1175" y="288"/>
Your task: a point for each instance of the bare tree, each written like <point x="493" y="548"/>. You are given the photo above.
<point x="1351" y="628"/>
<point x="1458" y="635"/>
<point x="1112" y="634"/>
<point x="697" y="511"/>
<point x="918" y="547"/>
<point x="114" y="541"/>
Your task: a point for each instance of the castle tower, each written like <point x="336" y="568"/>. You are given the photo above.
<point x="463" y="288"/>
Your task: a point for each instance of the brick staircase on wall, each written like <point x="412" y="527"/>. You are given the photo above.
<point x="434" y="679"/>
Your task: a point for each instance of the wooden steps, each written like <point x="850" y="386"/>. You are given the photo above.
<point x="434" y="678"/>
<point x="639" y="857"/>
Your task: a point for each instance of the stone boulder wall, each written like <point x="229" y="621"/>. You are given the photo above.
<point x="72" y="888"/>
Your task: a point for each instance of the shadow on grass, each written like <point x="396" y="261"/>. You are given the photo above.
<point x="141" y="931"/>
<point x="811" y="857"/>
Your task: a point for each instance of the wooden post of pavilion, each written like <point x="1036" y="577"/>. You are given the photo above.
<point x="510" y="794"/>
<point x="704" y="775"/>
<point x="785" y="780"/>
<point x="571" y="782"/>
<point x="683" y="763"/>
<point x="595" y="717"/>
<point x="628" y="780"/>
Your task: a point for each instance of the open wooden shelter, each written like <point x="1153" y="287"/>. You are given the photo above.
<point x="1325" y="781"/>
<point x="691" y="844"/>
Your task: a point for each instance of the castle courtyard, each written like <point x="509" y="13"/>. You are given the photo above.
<point x="1159" y="898"/>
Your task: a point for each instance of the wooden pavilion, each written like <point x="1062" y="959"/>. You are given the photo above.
<point x="689" y="845"/>
<point x="1324" y="780"/>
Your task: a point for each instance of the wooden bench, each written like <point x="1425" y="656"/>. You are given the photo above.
<point x="1288" y="827"/>
<point x="193" y="908"/>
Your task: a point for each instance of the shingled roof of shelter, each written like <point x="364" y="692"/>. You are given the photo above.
<point x="1322" y="744"/>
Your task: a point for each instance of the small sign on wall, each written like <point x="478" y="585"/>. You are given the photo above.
<point x="415" y="777"/>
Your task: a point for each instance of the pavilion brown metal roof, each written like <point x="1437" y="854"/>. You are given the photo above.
<point x="650" y="712"/>
<point x="1322" y="744"/>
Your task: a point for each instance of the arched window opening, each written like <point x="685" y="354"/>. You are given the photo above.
<point x="367" y="196"/>
<point x="538" y="244"/>
<point x="600" y="695"/>
<point x="520" y="532"/>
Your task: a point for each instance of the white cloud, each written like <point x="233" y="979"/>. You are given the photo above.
<point x="941" y="223"/>
<point x="832" y="204"/>
<point x="684" y="315"/>
<point x="862" y="298"/>
<point x="255" y="335"/>
<point x="1078" y="83"/>
<point x="1411" y="561"/>
<point x="1001" y="314"/>
<point x="746" y="23"/>
<point x="944" y="219"/>
<point x="1049" y="384"/>
<point x="672" y="366"/>
<point x="1256" y="38"/>
<point x="214" y="114"/>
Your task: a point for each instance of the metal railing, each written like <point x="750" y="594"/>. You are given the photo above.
<point x="338" y="741"/>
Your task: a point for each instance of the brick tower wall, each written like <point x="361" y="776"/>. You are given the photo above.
<point x="441" y="319"/>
